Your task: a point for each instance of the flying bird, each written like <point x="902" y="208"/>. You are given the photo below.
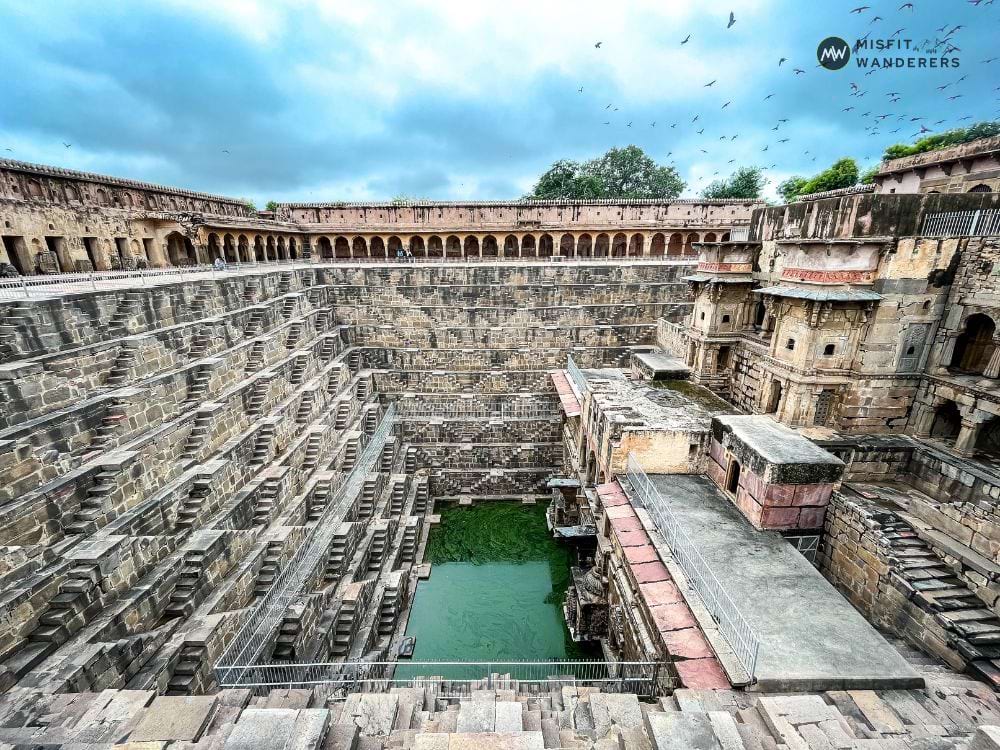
<point x="598" y="45"/>
<point x="897" y="32"/>
<point x="798" y="71"/>
<point x="847" y="109"/>
<point x="874" y="19"/>
<point x="953" y="98"/>
<point x="225" y="150"/>
<point x="580" y="89"/>
<point x="629" y="125"/>
<point x="781" y="61"/>
<point x="726" y="104"/>
<point x="652" y="124"/>
<point x="782" y="119"/>
<point x="710" y="83"/>
<point x="732" y="20"/>
<point x="768" y="97"/>
<point x="608" y="122"/>
<point x="905" y="6"/>
<point x="701" y="131"/>
<point x="686" y="39"/>
<point x="783" y="140"/>
<point x="67" y="145"/>
<point x="730" y="161"/>
<point x="703" y="150"/>
<point x="861" y="9"/>
<point x="764" y="149"/>
<point x="608" y="107"/>
<point x="854" y="86"/>
<point x="695" y="118"/>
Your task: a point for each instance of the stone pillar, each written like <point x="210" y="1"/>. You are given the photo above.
<point x="965" y="444"/>
<point x="945" y="353"/>
<point x="923" y="421"/>
<point x="993" y="368"/>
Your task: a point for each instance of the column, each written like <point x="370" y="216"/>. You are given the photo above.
<point x="923" y="421"/>
<point x="993" y="368"/>
<point x="965" y="444"/>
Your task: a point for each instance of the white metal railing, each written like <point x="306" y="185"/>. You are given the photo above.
<point x="476" y="411"/>
<point x="25" y="287"/>
<point x="739" y="234"/>
<point x="456" y="678"/>
<point x="576" y="376"/>
<point x="248" y="645"/>
<point x="733" y="625"/>
<point x="985" y="222"/>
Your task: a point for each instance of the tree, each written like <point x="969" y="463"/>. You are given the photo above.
<point x="869" y="176"/>
<point x="842" y="173"/>
<point x="952" y="137"/>
<point x="791" y="188"/>
<point x="620" y="173"/>
<point x="272" y="206"/>
<point x="745" y="182"/>
<point x="250" y="205"/>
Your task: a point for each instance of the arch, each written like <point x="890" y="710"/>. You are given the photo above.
<point x="270" y="250"/>
<point x="635" y="246"/>
<point x="376" y="248"/>
<point x="258" y="248"/>
<point x="471" y="247"/>
<point x="676" y="245"/>
<point x="658" y="245"/>
<point x="974" y="346"/>
<point x="229" y="249"/>
<point x="689" y="242"/>
<point x="243" y="245"/>
<point x="602" y="246"/>
<point x="545" y="246"/>
<point x="282" y="251"/>
<point x="510" y="246"/>
<point x="584" y="246"/>
<point x="394" y="246"/>
<point x="567" y="246"/>
<point x="981" y="188"/>
<point x="453" y="247"/>
<point x="341" y="248"/>
<point x="180" y="250"/>
<point x="435" y="247"/>
<point x="359" y="248"/>
<point x="528" y="249"/>
<point x="293" y="248"/>
<point x="947" y="422"/>
<point x="490" y="249"/>
<point x="325" y="248"/>
<point x="710" y="237"/>
<point x="417" y="246"/>
<point x="619" y="246"/>
<point x="759" y="313"/>
<point x="214" y="248"/>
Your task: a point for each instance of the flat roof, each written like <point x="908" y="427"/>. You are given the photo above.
<point x="822" y="295"/>
<point x="811" y="638"/>
<point x="661" y="363"/>
<point x="775" y="442"/>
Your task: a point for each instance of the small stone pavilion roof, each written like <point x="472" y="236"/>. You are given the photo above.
<point x="773" y="449"/>
<point x="821" y="295"/>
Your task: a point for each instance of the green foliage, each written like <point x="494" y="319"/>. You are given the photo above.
<point x="791" y="188"/>
<point x="943" y="140"/>
<point x="869" y="176"/>
<point x="249" y="204"/>
<point x="272" y="206"/>
<point x="841" y="174"/>
<point x="620" y="173"/>
<point x="745" y="182"/>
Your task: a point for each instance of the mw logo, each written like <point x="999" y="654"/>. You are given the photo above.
<point x="833" y="53"/>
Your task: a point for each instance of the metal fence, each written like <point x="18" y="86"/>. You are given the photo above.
<point x="424" y="410"/>
<point x="962" y="223"/>
<point x="247" y="647"/>
<point x="456" y="679"/>
<point x="732" y="623"/>
<point x="576" y="376"/>
<point x="26" y="287"/>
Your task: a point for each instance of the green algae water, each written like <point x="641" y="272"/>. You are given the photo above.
<point x="496" y="589"/>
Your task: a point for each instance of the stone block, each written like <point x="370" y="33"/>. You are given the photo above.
<point x="175" y="718"/>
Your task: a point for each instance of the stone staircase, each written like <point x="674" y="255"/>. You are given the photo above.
<point x="92" y="506"/>
<point x="69" y="610"/>
<point x="410" y="540"/>
<point x="314" y="445"/>
<point x="381" y="534"/>
<point x="343" y="416"/>
<point x="298" y="369"/>
<point x="267" y="498"/>
<point x="127" y="309"/>
<point x="121" y="371"/>
<point x="294" y="335"/>
<point x="183" y="597"/>
<point x="268" y="569"/>
<point x="200" y="343"/>
<point x="255" y="357"/>
<point x="397" y="497"/>
<point x="350" y="455"/>
<point x="366" y="500"/>
<point x="262" y="444"/>
<point x="199" y="434"/>
<point x="337" y="557"/>
<point x="190" y="661"/>
<point x="200" y="383"/>
<point x="190" y="508"/>
<point x="111" y="423"/>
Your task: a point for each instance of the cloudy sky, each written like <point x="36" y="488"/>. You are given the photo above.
<point x="453" y="99"/>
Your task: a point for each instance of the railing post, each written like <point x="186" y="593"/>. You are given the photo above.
<point x="93" y="280"/>
<point x="24" y="286"/>
<point x="975" y="221"/>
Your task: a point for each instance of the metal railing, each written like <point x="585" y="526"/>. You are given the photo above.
<point x="246" y="648"/>
<point x="576" y="376"/>
<point x="456" y="679"/>
<point x="24" y="287"/>
<point x="962" y="223"/>
<point x="733" y="625"/>
<point x="502" y="260"/>
<point x="739" y="234"/>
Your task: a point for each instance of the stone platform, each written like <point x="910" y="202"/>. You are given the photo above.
<point x="811" y="638"/>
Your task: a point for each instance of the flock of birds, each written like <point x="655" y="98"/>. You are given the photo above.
<point x="879" y="111"/>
